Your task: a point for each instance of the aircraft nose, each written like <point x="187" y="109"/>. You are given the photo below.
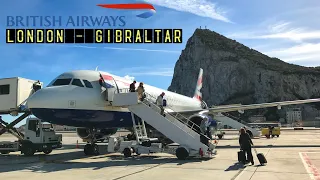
<point x="43" y="98"/>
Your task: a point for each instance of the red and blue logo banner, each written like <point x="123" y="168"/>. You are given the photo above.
<point x="149" y="7"/>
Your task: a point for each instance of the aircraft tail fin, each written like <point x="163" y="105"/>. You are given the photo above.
<point x="197" y="93"/>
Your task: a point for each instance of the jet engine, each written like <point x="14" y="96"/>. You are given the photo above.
<point x="86" y="133"/>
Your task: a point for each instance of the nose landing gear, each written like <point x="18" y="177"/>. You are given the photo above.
<point x="91" y="148"/>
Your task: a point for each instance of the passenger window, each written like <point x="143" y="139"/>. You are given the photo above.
<point x="4" y="89"/>
<point x="77" y="82"/>
<point x="61" y="82"/>
<point x="87" y="83"/>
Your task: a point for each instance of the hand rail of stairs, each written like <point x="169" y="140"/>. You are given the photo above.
<point x="150" y="100"/>
<point x="184" y="120"/>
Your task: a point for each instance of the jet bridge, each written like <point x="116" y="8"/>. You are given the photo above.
<point x="177" y="128"/>
<point x="13" y="95"/>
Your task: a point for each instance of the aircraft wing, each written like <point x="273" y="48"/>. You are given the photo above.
<point x="230" y="108"/>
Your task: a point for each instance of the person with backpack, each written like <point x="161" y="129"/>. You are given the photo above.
<point x="141" y="91"/>
<point x="159" y="102"/>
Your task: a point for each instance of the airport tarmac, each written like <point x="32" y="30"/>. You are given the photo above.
<point x="295" y="155"/>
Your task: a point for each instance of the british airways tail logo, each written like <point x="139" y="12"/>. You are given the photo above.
<point x="149" y="7"/>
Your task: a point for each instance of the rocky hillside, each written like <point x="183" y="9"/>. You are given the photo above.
<point x="234" y="73"/>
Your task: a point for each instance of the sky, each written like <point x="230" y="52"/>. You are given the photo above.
<point x="285" y="29"/>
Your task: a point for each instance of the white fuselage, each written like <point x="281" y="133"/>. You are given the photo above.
<point x="65" y="102"/>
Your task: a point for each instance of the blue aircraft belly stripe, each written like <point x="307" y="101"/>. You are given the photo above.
<point x="84" y="118"/>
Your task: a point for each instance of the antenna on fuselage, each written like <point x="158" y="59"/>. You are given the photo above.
<point x="97" y="68"/>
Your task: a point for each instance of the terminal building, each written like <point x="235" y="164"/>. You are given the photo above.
<point x="302" y="117"/>
<point x="293" y="115"/>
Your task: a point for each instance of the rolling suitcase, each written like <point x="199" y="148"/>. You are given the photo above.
<point x="241" y="156"/>
<point x="262" y="159"/>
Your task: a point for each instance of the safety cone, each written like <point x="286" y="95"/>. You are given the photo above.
<point x="77" y="146"/>
<point x="201" y="152"/>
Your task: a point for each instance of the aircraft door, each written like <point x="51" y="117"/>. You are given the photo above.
<point x="111" y="87"/>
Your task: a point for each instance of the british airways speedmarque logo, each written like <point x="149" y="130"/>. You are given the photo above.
<point x="149" y="7"/>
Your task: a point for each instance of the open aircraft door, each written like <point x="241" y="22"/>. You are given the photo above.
<point x="111" y="87"/>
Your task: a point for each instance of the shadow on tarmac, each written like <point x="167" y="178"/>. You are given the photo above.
<point x="63" y="161"/>
<point x="236" y="166"/>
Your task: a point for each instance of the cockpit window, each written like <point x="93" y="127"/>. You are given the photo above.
<point x="77" y="82"/>
<point x="87" y="83"/>
<point x="61" y="82"/>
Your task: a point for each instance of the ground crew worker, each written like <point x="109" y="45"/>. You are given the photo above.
<point x="101" y="81"/>
<point x="133" y="86"/>
<point x="140" y="91"/>
<point x="204" y="128"/>
<point x="245" y="145"/>
<point x="36" y="86"/>
<point x="211" y="124"/>
<point x="270" y="131"/>
<point x="160" y="103"/>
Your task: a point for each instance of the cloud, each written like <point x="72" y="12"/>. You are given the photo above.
<point x="154" y="73"/>
<point x="202" y="8"/>
<point x="305" y="48"/>
<point x="280" y="30"/>
<point x="279" y="27"/>
<point x="129" y="77"/>
<point x="301" y="45"/>
<point x="121" y="49"/>
<point x="305" y="51"/>
<point x="143" y="71"/>
<point x="297" y="34"/>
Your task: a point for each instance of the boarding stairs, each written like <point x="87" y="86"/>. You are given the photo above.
<point x="139" y="129"/>
<point x="227" y="119"/>
<point x="175" y="127"/>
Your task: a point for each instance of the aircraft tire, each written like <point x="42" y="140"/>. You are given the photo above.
<point x="47" y="150"/>
<point x="87" y="149"/>
<point x="95" y="149"/>
<point x="29" y="151"/>
<point x="127" y="152"/>
<point x="182" y="153"/>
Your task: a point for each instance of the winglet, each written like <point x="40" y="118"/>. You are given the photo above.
<point x="197" y="93"/>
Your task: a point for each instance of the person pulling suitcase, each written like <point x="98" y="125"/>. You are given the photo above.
<point x="245" y="146"/>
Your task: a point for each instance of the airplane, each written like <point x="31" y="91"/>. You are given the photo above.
<point x="77" y="99"/>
